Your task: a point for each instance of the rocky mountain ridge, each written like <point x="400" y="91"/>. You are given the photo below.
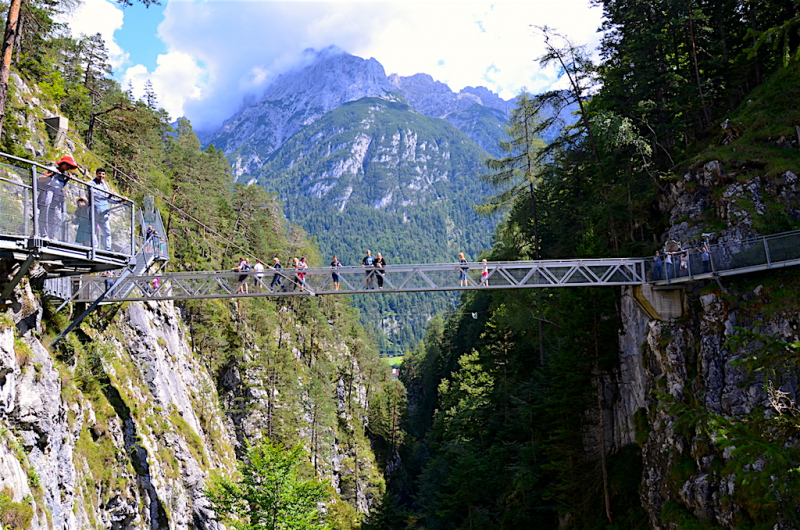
<point x="330" y="78"/>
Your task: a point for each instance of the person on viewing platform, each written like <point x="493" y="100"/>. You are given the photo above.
<point x="669" y="272"/>
<point x="379" y="263"/>
<point x="367" y="264"/>
<point x="684" y="263"/>
<point x="658" y="267"/>
<point x="485" y="273"/>
<point x="277" y="277"/>
<point x="50" y="199"/>
<point x="102" y="205"/>
<point x="335" y="265"/>
<point x="83" y="235"/>
<point x="259" y="270"/>
<point x="462" y="271"/>
<point x="706" y="259"/>
<point x="242" y="267"/>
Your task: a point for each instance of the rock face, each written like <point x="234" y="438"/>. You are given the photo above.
<point x="690" y="361"/>
<point x="116" y="443"/>
<point x="331" y="78"/>
<point x="121" y="429"/>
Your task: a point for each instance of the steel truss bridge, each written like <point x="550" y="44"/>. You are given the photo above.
<point x="358" y="280"/>
<point x="726" y="259"/>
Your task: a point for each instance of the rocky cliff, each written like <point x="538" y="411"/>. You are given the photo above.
<point x="330" y="78"/>
<point x="690" y="361"/>
<point x="121" y="426"/>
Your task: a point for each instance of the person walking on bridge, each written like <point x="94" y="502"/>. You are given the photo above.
<point x="462" y="274"/>
<point x="277" y="278"/>
<point x="367" y="264"/>
<point x="243" y="267"/>
<point x="335" y="266"/>
<point x="301" y="267"/>
<point x="485" y="273"/>
<point x="658" y="267"/>
<point x="379" y="263"/>
<point x="50" y="199"/>
<point x="259" y="270"/>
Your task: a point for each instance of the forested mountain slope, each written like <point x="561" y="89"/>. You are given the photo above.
<point x="365" y="161"/>
<point x="374" y="174"/>
<point x="573" y="408"/>
<point x="124" y="424"/>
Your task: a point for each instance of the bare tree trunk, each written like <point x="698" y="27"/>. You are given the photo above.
<point x="697" y="67"/>
<point x="606" y="496"/>
<point x="5" y="57"/>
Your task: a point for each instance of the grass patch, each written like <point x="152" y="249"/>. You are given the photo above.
<point x="394" y="362"/>
<point x="14" y="515"/>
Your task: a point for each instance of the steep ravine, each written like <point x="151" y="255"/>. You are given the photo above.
<point x="122" y="428"/>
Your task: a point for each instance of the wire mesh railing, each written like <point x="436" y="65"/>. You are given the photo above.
<point x="39" y="202"/>
<point x="727" y="257"/>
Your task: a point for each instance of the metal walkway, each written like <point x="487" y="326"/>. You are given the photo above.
<point x="726" y="258"/>
<point x="41" y="215"/>
<point x="353" y="280"/>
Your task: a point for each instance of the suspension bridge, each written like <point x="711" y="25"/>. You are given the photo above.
<point x="118" y="255"/>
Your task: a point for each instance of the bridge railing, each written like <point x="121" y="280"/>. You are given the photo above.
<point x="734" y="256"/>
<point x="37" y="202"/>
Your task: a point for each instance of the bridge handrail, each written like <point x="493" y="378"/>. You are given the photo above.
<point x="50" y="168"/>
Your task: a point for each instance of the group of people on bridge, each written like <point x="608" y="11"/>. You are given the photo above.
<point x="664" y="268"/>
<point x="375" y="273"/>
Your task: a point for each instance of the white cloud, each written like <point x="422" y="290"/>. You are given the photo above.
<point x="103" y="17"/>
<point x="223" y="52"/>
<point x="176" y="80"/>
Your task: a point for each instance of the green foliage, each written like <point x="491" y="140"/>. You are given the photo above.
<point x="14" y="515"/>
<point x="269" y="493"/>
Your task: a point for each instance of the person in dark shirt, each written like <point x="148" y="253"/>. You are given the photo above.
<point x="379" y="263"/>
<point x="277" y="278"/>
<point x="83" y="235"/>
<point x="367" y="264"/>
<point x="462" y="272"/>
<point x="335" y="265"/>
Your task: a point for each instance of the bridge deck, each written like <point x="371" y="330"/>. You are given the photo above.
<point x="356" y="280"/>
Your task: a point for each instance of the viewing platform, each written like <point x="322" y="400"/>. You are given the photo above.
<point x="70" y="226"/>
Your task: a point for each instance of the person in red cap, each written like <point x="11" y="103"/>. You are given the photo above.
<point x="51" y="198"/>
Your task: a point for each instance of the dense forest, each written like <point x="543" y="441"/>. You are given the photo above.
<point x="504" y="421"/>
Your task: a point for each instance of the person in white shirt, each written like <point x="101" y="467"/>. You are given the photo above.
<point x="259" y="269"/>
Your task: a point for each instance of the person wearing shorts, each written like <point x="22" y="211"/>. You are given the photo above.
<point x="242" y="267"/>
<point x="462" y="272"/>
<point x="335" y="266"/>
<point x="485" y="273"/>
<point x="367" y="264"/>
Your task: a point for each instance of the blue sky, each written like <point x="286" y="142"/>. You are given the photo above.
<point x="205" y="57"/>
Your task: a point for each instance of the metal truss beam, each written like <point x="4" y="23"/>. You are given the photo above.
<point x="353" y="280"/>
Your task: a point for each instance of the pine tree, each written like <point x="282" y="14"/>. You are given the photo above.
<point x="518" y="172"/>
